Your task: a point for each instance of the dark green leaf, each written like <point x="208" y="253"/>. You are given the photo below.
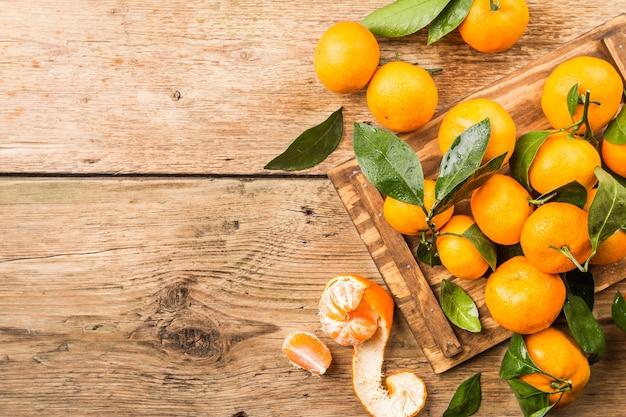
<point x="389" y="163"/>
<point x="485" y="247"/>
<point x="517" y="361"/>
<point x="572" y="100"/>
<point x="464" y="188"/>
<point x="525" y="150"/>
<point x="616" y="130"/>
<point x="618" y="310"/>
<point x="312" y="146"/>
<point x="607" y="211"/>
<point x="532" y="401"/>
<point x="448" y="20"/>
<point x="427" y="254"/>
<point x="572" y="192"/>
<point x="466" y="398"/>
<point x="459" y="307"/>
<point x="584" y="327"/>
<point x="506" y="252"/>
<point x="403" y="17"/>
<point x="581" y="284"/>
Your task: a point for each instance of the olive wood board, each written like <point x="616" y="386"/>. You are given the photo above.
<point x="415" y="286"/>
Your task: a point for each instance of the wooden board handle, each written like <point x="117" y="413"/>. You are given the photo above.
<point x="616" y="46"/>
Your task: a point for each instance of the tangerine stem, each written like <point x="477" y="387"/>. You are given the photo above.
<point x="494" y="5"/>
<point x="589" y="136"/>
<point x="568" y="254"/>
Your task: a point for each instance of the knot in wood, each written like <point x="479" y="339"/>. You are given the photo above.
<point x="175" y="297"/>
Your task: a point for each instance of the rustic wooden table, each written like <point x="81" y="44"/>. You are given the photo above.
<point x="149" y="265"/>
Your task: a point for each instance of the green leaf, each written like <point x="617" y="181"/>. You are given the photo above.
<point x="312" y="146"/>
<point x="572" y="100"/>
<point x="389" y="163"/>
<point x="581" y="284"/>
<point x="403" y="17"/>
<point x="532" y="401"/>
<point x="618" y="311"/>
<point x="616" y="130"/>
<point x="584" y="327"/>
<point x="525" y="150"/>
<point x="448" y="20"/>
<point x="517" y="361"/>
<point x="572" y="192"/>
<point x="466" y="399"/>
<point x="459" y="307"/>
<point x="427" y="254"/>
<point x="464" y="188"/>
<point x="607" y="211"/>
<point x="485" y="247"/>
<point x="462" y="159"/>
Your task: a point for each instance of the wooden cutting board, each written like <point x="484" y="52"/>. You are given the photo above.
<point x="415" y="286"/>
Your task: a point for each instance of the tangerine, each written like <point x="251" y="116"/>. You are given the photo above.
<point x="456" y="252"/>
<point x="552" y="228"/>
<point x="401" y="96"/>
<point x="523" y="299"/>
<point x="494" y="25"/>
<point x="563" y="158"/>
<point x="614" y="156"/>
<point x="500" y="208"/>
<point x="346" y="56"/>
<point x="591" y="74"/>
<point x="469" y="112"/>
<point x="410" y="219"/>
<point x="565" y="365"/>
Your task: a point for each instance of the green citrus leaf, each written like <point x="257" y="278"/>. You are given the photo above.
<point x="403" y="17"/>
<point x="584" y="327"/>
<point x="427" y="254"/>
<point x="485" y="247"/>
<point x="517" y="361"/>
<point x="581" y="284"/>
<point x="525" y="150"/>
<point x="572" y="100"/>
<point x="607" y="211"/>
<point x="312" y="146"/>
<point x="459" y="307"/>
<point x="618" y="311"/>
<point x="572" y="192"/>
<point x="532" y="401"/>
<point x="389" y="163"/>
<point x="466" y="398"/>
<point x="616" y="130"/>
<point x="448" y="20"/>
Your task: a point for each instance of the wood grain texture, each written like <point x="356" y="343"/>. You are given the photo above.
<point x="189" y="86"/>
<point x="157" y="298"/>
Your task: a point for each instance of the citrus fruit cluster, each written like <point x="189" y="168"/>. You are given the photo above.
<point x="536" y="211"/>
<point x="357" y="312"/>
<point x="401" y="96"/>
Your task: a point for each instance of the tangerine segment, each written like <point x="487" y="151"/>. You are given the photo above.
<point x="557" y="354"/>
<point x="523" y="299"/>
<point x="305" y="350"/>
<point x="404" y="394"/>
<point x="352" y="307"/>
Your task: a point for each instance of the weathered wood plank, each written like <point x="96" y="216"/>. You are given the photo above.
<point x="188" y="86"/>
<point x="163" y="297"/>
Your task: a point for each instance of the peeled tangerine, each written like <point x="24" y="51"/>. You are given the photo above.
<point x="356" y="311"/>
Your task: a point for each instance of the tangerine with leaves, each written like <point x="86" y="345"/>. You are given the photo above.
<point x="523" y="299"/>
<point x="456" y="252"/>
<point x="611" y="250"/>
<point x="305" y="350"/>
<point x="410" y="219"/>
<point x="401" y="96"/>
<point x="469" y="112"/>
<point x="346" y="56"/>
<point x="591" y="74"/>
<point x="343" y="299"/>
<point x="555" y="237"/>
<point x="565" y="366"/>
<point x="563" y="158"/>
<point x="494" y="25"/>
<point x="500" y="208"/>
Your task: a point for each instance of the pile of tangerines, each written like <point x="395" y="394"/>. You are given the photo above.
<point x="525" y="292"/>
